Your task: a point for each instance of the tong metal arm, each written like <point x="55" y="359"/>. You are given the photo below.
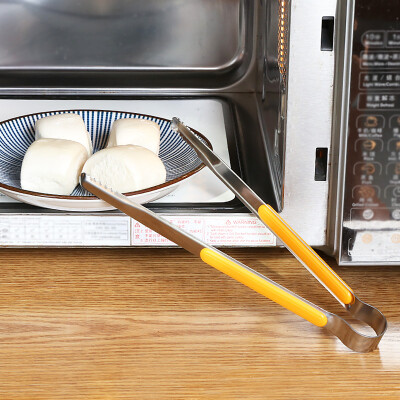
<point x="247" y="276"/>
<point x="296" y="245"/>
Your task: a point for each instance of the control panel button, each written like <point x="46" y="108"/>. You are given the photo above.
<point x="368" y="214"/>
<point x="392" y="191"/>
<point x="393" y="169"/>
<point x="395" y="238"/>
<point x="393" y="39"/>
<point x="394" y="145"/>
<point x="379" y="80"/>
<point x="373" y="39"/>
<point x="367" y="168"/>
<point x="376" y="60"/>
<point x="366" y="238"/>
<point x="395" y="121"/>
<point x="396" y="214"/>
<point x="369" y="145"/>
<point x="370" y="121"/>
<point x="364" y="192"/>
<point x="396" y="191"/>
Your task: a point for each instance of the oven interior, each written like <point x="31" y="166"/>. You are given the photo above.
<point x="202" y="61"/>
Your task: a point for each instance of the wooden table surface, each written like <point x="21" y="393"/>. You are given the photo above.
<point x="160" y="324"/>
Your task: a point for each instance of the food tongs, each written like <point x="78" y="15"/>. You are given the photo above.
<point x="236" y="270"/>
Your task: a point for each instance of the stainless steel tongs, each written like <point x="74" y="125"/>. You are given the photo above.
<point x="236" y="270"/>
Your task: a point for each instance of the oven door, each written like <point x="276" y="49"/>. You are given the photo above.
<point x="196" y="60"/>
<point x="365" y="212"/>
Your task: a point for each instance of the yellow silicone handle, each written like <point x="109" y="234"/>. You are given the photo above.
<point x="306" y="254"/>
<point x="263" y="286"/>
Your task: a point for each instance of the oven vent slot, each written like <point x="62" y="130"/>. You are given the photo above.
<point x="283" y="39"/>
<point x="321" y="163"/>
<point x="327" y="30"/>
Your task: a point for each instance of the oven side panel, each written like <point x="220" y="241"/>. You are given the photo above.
<point x="309" y="119"/>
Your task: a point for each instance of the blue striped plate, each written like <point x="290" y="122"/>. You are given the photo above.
<point x="17" y="134"/>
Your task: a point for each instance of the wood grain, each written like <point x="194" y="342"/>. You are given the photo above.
<point x="160" y="324"/>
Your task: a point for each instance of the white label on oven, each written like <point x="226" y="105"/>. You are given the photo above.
<point x="369" y="246"/>
<point x="73" y="230"/>
<point x="220" y="230"/>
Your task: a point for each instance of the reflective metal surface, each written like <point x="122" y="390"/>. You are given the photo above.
<point x="141" y="35"/>
<point x="309" y="120"/>
<point x="350" y="337"/>
<point x="339" y="124"/>
<point x="95" y="8"/>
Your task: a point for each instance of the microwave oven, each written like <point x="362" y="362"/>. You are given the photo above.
<point x="300" y="97"/>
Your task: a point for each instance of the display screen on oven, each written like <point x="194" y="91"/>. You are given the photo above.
<point x="371" y="212"/>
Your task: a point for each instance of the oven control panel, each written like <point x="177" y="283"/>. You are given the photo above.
<point x="371" y="208"/>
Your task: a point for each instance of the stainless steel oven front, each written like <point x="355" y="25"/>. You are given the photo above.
<point x="300" y="97"/>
